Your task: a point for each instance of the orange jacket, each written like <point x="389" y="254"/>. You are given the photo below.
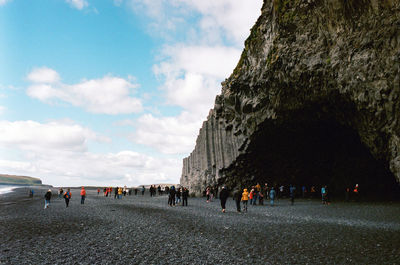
<point x="245" y="195"/>
<point x="83" y="192"/>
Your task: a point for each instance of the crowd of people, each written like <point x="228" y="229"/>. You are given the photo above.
<point x="257" y="194"/>
<point x="179" y="195"/>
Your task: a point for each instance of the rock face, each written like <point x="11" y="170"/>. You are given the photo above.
<point x="314" y="100"/>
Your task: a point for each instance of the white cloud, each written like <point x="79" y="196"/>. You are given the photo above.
<point x="78" y="4"/>
<point x="57" y="136"/>
<point x="232" y="18"/>
<point x="169" y="135"/>
<point x="218" y="19"/>
<point x="2" y="109"/>
<point x="43" y="75"/>
<point x="57" y="153"/>
<point x="108" y="95"/>
<point x="192" y="74"/>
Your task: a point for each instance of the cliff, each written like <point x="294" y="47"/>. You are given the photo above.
<point x="314" y="99"/>
<point x="18" y="180"/>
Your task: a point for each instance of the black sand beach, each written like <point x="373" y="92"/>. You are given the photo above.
<point x="144" y="230"/>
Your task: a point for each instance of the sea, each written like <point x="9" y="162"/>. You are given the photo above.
<point x="6" y="189"/>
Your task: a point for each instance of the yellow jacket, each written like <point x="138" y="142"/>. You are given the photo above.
<point x="245" y="195"/>
<point x="119" y="191"/>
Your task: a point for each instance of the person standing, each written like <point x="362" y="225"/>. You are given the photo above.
<point x="252" y="191"/>
<point x="272" y="196"/>
<point x="223" y="196"/>
<point x="245" y="199"/>
<point x="67" y="196"/>
<point x="323" y="194"/>
<point x="47" y="198"/>
<point x="116" y="193"/>
<point x="143" y="189"/>
<point x="292" y="191"/>
<point x="178" y="196"/>
<point x="171" y="196"/>
<point x="185" y="195"/>
<point x="120" y="193"/>
<point x="208" y="191"/>
<point x="356" y="193"/>
<point x="237" y="196"/>
<point x="83" y="195"/>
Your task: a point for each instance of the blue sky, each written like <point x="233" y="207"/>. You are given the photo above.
<point x="112" y="92"/>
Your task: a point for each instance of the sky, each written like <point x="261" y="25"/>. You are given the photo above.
<point x="112" y="92"/>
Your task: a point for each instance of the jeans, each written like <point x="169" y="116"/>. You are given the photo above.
<point x="82" y="199"/>
<point x="46" y="203"/>
<point x="184" y="200"/>
<point x="245" y="206"/>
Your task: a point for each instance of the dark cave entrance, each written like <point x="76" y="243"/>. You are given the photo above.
<point x="314" y="152"/>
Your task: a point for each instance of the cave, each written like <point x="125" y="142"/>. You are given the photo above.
<point x="311" y="148"/>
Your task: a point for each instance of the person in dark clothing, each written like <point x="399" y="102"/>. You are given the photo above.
<point x="143" y="189"/>
<point x="185" y="195"/>
<point x="136" y="191"/>
<point x="159" y="190"/>
<point x="47" y="198"/>
<point x="171" y="196"/>
<point x="292" y="190"/>
<point x="67" y="197"/>
<point x="178" y="196"/>
<point x="237" y="196"/>
<point x="115" y="192"/>
<point x="223" y="196"/>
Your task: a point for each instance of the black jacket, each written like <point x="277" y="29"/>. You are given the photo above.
<point x="224" y="194"/>
<point x="47" y="196"/>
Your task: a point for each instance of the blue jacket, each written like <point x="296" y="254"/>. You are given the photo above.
<point x="272" y="194"/>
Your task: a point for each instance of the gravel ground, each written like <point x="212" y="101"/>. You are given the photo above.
<point x="144" y="230"/>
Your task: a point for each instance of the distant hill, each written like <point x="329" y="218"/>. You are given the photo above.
<point x="18" y="180"/>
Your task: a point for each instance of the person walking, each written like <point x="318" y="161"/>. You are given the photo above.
<point x="237" y="196"/>
<point x="47" y="198"/>
<point x="185" y="195"/>
<point x="245" y="199"/>
<point x="67" y="197"/>
<point x="83" y="195"/>
<point x="223" y="196"/>
<point x="272" y="196"/>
